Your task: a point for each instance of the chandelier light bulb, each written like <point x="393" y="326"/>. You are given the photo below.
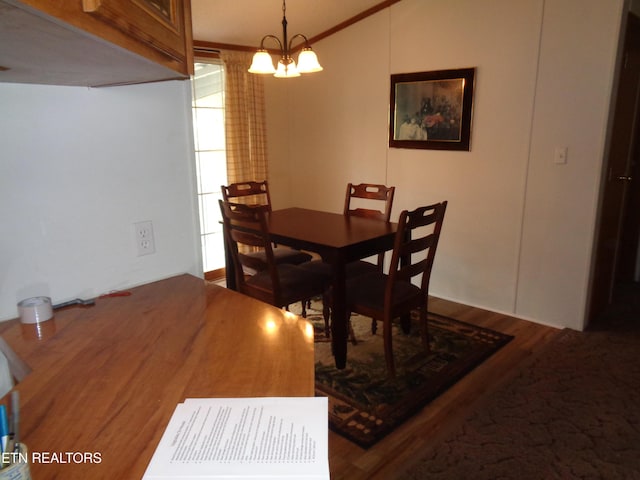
<point x="287" y="70"/>
<point x="262" y="63"/>
<point x="308" y="61"/>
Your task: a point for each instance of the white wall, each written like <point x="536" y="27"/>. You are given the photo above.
<point x="79" y="166"/>
<point x="572" y="102"/>
<point x="519" y="228"/>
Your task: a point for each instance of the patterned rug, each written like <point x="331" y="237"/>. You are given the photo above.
<point x="364" y="404"/>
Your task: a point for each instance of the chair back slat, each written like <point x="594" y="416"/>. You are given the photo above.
<point x="417" y="244"/>
<point x="407" y="272"/>
<point x="246" y="238"/>
<point x="369" y="191"/>
<point x="250" y="193"/>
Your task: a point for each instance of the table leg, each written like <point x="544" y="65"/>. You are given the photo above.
<point x="339" y="313"/>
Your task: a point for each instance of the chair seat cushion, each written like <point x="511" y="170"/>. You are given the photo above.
<point x="361" y="267"/>
<point x="352" y="269"/>
<point x="258" y="260"/>
<point x="296" y="283"/>
<point x="368" y="291"/>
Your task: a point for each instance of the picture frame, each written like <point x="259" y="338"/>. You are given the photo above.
<point x="162" y="9"/>
<point x="432" y="110"/>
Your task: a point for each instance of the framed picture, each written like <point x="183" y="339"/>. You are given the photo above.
<point x="163" y="8"/>
<point x="431" y="110"/>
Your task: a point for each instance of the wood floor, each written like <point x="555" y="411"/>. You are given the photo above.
<point x="389" y="457"/>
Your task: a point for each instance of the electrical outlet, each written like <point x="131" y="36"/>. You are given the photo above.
<point x="145" y="242"/>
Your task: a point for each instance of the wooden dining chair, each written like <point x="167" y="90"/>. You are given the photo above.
<point x="385" y="297"/>
<point x="279" y="284"/>
<point x="369" y="193"/>
<point x="256" y="194"/>
<point x="250" y="193"/>
<point x="366" y="200"/>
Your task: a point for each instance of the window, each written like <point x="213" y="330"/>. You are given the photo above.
<point x="211" y="164"/>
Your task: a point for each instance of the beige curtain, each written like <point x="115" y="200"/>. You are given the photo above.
<point x="245" y="120"/>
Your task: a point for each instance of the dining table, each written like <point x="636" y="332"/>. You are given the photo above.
<point x="98" y="384"/>
<point x="338" y="239"/>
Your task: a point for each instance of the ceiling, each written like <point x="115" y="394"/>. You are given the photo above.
<point x="245" y="22"/>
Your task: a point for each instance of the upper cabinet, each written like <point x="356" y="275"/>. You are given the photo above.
<point x="160" y="27"/>
<point x="95" y="42"/>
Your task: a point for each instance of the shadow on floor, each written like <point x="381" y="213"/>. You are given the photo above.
<point x="624" y="310"/>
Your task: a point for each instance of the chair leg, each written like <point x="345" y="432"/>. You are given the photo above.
<point x="304" y="309"/>
<point x="326" y="313"/>
<point x="388" y="348"/>
<point x="405" y="323"/>
<point x="352" y="334"/>
<point x="374" y="326"/>
<point x="424" y="328"/>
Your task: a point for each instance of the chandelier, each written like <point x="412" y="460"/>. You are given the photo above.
<point x="287" y="68"/>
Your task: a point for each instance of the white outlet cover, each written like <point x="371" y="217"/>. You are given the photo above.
<point x="144" y="239"/>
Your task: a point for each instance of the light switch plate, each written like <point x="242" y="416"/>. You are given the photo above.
<point x="560" y="156"/>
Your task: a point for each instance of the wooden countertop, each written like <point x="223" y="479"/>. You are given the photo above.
<point x="105" y="379"/>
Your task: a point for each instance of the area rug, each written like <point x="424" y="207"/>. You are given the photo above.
<point x="364" y="404"/>
<point x="572" y="412"/>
